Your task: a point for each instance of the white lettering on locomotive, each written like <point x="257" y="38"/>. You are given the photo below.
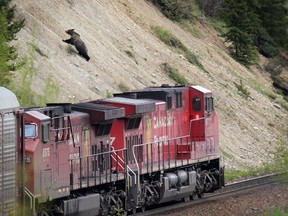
<point x="112" y="139"/>
<point x="46" y="152"/>
<point x="161" y="138"/>
<point x="162" y="121"/>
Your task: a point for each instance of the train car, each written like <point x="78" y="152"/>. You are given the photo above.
<point x="119" y="154"/>
<point x="9" y="108"/>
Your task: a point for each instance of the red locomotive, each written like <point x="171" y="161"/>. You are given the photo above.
<point x="101" y="157"/>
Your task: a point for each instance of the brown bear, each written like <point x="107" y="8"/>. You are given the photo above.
<point x="78" y="43"/>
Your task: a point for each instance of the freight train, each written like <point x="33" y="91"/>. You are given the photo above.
<point x="108" y="156"/>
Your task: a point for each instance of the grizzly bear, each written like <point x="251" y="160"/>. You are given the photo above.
<point x="78" y="43"/>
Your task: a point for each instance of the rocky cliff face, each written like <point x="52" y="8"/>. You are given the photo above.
<point x="125" y="54"/>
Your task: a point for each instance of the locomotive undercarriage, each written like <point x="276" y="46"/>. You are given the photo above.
<point x="185" y="183"/>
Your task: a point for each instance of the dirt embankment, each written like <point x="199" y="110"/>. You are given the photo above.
<point x="126" y="54"/>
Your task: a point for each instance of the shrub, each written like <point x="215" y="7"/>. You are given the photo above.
<point x="242" y="90"/>
<point x="175" y="9"/>
<point x="265" y="43"/>
<point x="169" y="39"/>
<point x="174" y="74"/>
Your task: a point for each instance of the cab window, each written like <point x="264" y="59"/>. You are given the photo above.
<point x="30" y="130"/>
<point x="209" y="106"/>
<point x="196" y="104"/>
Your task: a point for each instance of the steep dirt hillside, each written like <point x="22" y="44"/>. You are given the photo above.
<point x="125" y="53"/>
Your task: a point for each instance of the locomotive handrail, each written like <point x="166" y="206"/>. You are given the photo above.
<point x="108" y="152"/>
<point x="193" y="120"/>
<point x="57" y="129"/>
<point x="123" y="162"/>
<point x="146" y="144"/>
<point x="32" y="199"/>
<point x="167" y="140"/>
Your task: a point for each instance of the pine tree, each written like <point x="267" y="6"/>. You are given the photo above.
<point x="241" y="23"/>
<point x="4" y="53"/>
<point x="9" y="27"/>
<point x="274" y="19"/>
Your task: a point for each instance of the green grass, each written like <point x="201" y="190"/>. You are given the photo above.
<point x="227" y="155"/>
<point x="123" y="87"/>
<point x="174" y="74"/>
<point x="109" y="94"/>
<point x="192" y="28"/>
<point x="280" y="163"/>
<point x="23" y="85"/>
<point x="164" y="35"/>
<point x="242" y="90"/>
<point x="235" y="174"/>
<point x="172" y="41"/>
<point x="276" y="212"/>
<point x="71" y="50"/>
<point x="51" y="92"/>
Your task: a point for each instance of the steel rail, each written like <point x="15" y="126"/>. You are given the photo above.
<point x="230" y="189"/>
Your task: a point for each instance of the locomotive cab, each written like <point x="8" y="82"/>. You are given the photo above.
<point x="37" y="156"/>
<point x="201" y="113"/>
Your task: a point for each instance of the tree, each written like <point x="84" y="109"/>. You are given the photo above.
<point x="4" y="53"/>
<point x="175" y="9"/>
<point x="210" y="7"/>
<point x="9" y="27"/>
<point x="241" y="23"/>
<point x="273" y="14"/>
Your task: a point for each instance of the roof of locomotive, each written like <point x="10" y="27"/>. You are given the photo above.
<point x="139" y="105"/>
<point x="127" y="100"/>
<point x="156" y="93"/>
<point x="201" y="89"/>
<point x="38" y="115"/>
<point x="164" y="88"/>
<point x="8" y="100"/>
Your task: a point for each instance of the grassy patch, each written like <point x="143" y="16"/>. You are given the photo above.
<point x="192" y="28"/>
<point x="123" y="87"/>
<point x="276" y="212"/>
<point x="253" y="83"/>
<point x="218" y="25"/>
<point x="172" y="41"/>
<point x="174" y="74"/>
<point x="71" y="50"/>
<point x="165" y="36"/>
<point x="38" y="50"/>
<point x="26" y="73"/>
<point x="51" y="91"/>
<point x="242" y="90"/>
<point x="235" y="174"/>
<point x="108" y="94"/>
<point x="280" y="163"/>
<point x="227" y="155"/>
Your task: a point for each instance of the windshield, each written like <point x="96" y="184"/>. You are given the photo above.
<point x="30" y="130"/>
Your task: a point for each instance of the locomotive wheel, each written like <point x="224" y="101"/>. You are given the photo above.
<point x="186" y="199"/>
<point x="200" y="195"/>
<point x="196" y="196"/>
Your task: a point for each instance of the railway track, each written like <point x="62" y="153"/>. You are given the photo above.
<point x="230" y="189"/>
